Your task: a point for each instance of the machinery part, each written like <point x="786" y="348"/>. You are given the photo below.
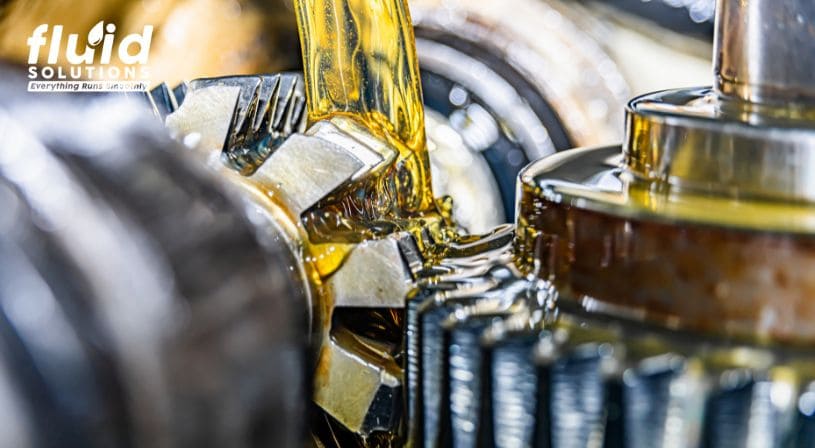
<point x="485" y="339"/>
<point x="268" y="109"/>
<point x="515" y="86"/>
<point x="493" y="359"/>
<point x="775" y="80"/>
<point x="501" y="96"/>
<point x="251" y="36"/>
<point x="704" y="245"/>
<point x="463" y="174"/>
<point x="357" y="379"/>
<point x="141" y="304"/>
<point x="673" y="311"/>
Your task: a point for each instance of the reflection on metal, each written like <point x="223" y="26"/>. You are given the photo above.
<point x="267" y="109"/>
<point x="655" y="296"/>
<point x="139" y="306"/>
<point x="673" y="302"/>
<point x="494" y="359"/>
<point x="713" y="197"/>
<point x="763" y="50"/>
<point x="461" y="172"/>
<point x="545" y="83"/>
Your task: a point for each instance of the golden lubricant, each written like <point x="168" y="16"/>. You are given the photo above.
<point x="362" y="73"/>
<point x="360" y="61"/>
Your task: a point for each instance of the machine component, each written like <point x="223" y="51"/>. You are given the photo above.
<point x="498" y="358"/>
<point x="267" y="110"/>
<point x="498" y="97"/>
<point x="142" y="303"/>
<point x="675" y="315"/>
<point x="521" y="336"/>
<point x="680" y="316"/>
<point x="515" y="86"/>
<point x="358" y="380"/>
<point x="707" y="179"/>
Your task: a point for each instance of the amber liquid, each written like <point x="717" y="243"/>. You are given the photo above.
<point x="362" y="73"/>
<point x="700" y="267"/>
<point x="360" y="61"/>
<point x="360" y="65"/>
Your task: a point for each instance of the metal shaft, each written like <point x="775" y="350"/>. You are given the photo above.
<point x="763" y="51"/>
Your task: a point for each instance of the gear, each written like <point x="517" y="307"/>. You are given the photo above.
<point x="269" y="108"/>
<point x="141" y="303"/>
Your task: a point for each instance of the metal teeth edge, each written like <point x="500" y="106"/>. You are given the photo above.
<point x="268" y="110"/>
<point x="482" y="373"/>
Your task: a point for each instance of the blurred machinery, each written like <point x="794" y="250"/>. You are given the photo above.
<point x="141" y="302"/>
<point x="655" y="294"/>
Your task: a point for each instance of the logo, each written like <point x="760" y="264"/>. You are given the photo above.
<point x="103" y="63"/>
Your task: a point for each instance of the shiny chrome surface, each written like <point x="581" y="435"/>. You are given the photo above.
<point x="704" y="221"/>
<point x="764" y="51"/>
<point x="752" y="136"/>
<point x="684" y="140"/>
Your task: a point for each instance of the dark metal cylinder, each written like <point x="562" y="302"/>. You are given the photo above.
<point x="141" y="303"/>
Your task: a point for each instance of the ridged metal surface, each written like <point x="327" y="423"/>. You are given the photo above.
<point x="140" y="305"/>
<point x="483" y="371"/>
<point x="269" y="108"/>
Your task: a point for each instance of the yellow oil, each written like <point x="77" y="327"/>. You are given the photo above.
<point x="360" y="66"/>
<point x="359" y="59"/>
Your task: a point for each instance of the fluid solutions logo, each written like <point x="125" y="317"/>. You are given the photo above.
<point x="105" y="64"/>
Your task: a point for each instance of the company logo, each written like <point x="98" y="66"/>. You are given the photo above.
<point x="104" y="62"/>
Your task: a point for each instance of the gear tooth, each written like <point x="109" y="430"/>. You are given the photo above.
<point x="180" y="92"/>
<point x="247" y="108"/>
<point x="271" y="104"/>
<point x="284" y="94"/>
<point x="430" y="372"/>
<point x="292" y="117"/>
<point x="298" y="115"/>
<point x="578" y="395"/>
<point x="162" y="100"/>
<point x="266" y="102"/>
<point x="512" y="383"/>
<point x="660" y="401"/>
<point x="728" y="410"/>
<point x="463" y="378"/>
<point x="747" y="407"/>
<point x="412" y="363"/>
<point x="545" y="355"/>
